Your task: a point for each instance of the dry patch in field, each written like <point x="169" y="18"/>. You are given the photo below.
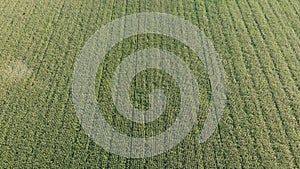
<point x="13" y="72"/>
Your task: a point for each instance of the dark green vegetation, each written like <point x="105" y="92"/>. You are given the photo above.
<point x="258" y="42"/>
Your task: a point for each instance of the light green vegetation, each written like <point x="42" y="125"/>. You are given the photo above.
<point x="258" y="42"/>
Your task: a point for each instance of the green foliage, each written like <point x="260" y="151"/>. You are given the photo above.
<point x="258" y="42"/>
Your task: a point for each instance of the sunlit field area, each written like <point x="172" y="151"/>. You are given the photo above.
<point x="258" y="43"/>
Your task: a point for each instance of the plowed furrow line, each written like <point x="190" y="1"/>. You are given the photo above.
<point x="38" y="133"/>
<point x="296" y="6"/>
<point x="220" y="38"/>
<point x="289" y="62"/>
<point x="293" y="38"/>
<point x="284" y="108"/>
<point x="50" y="38"/>
<point x="251" y="104"/>
<point x="261" y="85"/>
<point x="10" y="11"/>
<point x="265" y="59"/>
<point x="113" y="15"/>
<point x="63" y="85"/>
<point x="199" y="154"/>
<point x="245" y="86"/>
